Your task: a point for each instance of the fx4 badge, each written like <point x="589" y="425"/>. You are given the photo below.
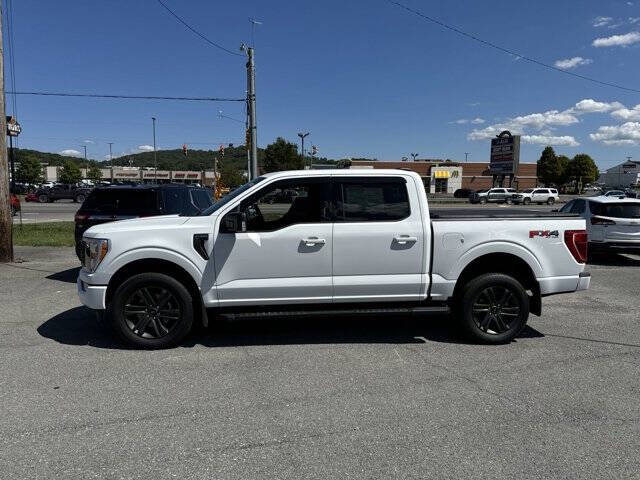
<point x="544" y="233"/>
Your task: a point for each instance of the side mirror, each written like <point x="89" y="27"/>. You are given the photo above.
<point x="234" y="222"/>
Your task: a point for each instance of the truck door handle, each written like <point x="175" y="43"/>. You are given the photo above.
<point x="404" y="239"/>
<point x="311" y="241"/>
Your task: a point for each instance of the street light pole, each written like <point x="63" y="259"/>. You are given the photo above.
<point x="86" y="162"/>
<point x="466" y="156"/>
<point x="111" y="160"/>
<point x="414" y="155"/>
<point x="302" y="137"/>
<point x="155" y="155"/>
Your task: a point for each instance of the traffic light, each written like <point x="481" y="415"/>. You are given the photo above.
<point x="314" y="149"/>
<point x="222" y="150"/>
<point x="184" y="149"/>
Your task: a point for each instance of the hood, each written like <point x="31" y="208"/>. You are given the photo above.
<point x="161" y="222"/>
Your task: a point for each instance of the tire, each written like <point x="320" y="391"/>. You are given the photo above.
<point x="526" y="201"/>
<point x="79" y="199"/>
<point x="43" y="198"/>
<point x="507" y="308"/>
<point x="551" y="201"/>
<point x="508" y="201"/>
<point x="482" y="201"/>
<point x="146" y="297"/>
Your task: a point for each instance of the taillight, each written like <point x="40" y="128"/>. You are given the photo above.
<point x="601" y="221"/>
<point x="576" y="242"/>
<point x="81" y="217"/>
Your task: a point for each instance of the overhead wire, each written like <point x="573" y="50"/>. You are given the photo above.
<point x="509" y="51"/>
<point x="130" y="97"/>
<point x="201" y="35"/>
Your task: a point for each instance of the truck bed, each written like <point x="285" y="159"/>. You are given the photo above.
<point x="497" y="213"/>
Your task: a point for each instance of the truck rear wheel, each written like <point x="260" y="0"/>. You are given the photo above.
<point x="494" y="308"/>
<point x="152" y="310"/>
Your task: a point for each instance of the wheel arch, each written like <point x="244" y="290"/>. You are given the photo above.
<point x="166" y="267"/>
<point x="508" y="264"/>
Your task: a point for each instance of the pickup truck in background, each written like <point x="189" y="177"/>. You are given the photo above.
<point x="63" y="192"/>
<point x="359" y="241"/>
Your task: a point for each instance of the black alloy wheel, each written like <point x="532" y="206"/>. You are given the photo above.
<point x="495" y="309"/>
<point x="152" y="312"/>
<point x="492" y="308"/>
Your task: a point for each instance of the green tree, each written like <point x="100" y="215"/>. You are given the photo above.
<point x="281" y="155"/>
<point x="563" y="161"/>
<point x="94" y="173"/>
<point x="231" y="176"/>
<point x="29" y="170"/>
<point x="582" y="167"/>
<point x="549" y="168"/>
<point x="70" y="172"/>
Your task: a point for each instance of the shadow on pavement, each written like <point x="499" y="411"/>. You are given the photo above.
<point x="79" y="326"/>
<point x="70" y="275"/>
<point x="613" y="260"/>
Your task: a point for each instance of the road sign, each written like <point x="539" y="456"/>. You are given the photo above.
<point x="13" y="127"/>
<point x="505" y="154"/>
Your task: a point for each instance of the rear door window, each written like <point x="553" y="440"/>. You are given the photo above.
<point x="616" y="210"/>
<point x="173" y="201"/>
<point x="578" y="206"/>
<point x="121" y="201"/>
<point x="201" y="198"/>
<point x="371" y="199"/>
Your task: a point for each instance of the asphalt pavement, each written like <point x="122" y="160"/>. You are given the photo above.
<point x="384" y="397"/>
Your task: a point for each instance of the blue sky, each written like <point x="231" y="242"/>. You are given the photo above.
<point x="366" y="78"/>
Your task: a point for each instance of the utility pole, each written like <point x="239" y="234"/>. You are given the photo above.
<point x="251" y="112"/>
<point x="302" y="137"/>
<point x="6" y="222"/>
<point x="111" y="160"/>
<point x="466" y="156"/>
<point x="414" y="155"/>
<point x="86" y="162"/>
<point x="155" y="155"/>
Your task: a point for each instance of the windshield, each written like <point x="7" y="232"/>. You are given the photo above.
<point x="226" y="199"/>
<point x="616" y="210"/>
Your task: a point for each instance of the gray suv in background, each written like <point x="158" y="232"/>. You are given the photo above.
<point x="495" y="195"/>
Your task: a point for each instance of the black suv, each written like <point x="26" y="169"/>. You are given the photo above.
<point x="109" y="204"/>
<point x="63" y="192"/>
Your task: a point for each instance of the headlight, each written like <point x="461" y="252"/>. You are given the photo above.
<point x="95" y="250"/>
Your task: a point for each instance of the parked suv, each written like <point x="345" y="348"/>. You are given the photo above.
<point x="63" y="192"/>
<point x="123" y="202"/>
<point x="536" y="195"/>
<point x="492" y="195"/>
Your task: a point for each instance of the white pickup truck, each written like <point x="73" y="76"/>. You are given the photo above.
<point x="327" y="242"/>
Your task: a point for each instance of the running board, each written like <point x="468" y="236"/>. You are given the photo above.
<point x="423" y="310"/>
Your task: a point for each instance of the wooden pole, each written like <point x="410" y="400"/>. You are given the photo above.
<point x="6" y="222"/>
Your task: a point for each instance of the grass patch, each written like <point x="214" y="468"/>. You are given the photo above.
<point x="52" y="234"/>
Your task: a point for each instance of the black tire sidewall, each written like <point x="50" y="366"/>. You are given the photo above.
<point x="526" y="201"/>
<point x="45" y="197"/>
<point x="469" y="295"/>
<point x="152" y="279"/>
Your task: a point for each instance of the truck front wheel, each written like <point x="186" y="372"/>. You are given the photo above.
<point x="152" y="310"/>
<point x="494" y="308"/>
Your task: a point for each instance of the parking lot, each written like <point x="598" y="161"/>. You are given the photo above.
<point x="324" y="398"/>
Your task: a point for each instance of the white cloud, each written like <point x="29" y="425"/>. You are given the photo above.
<point x="589" y="105"/>
<point x="625" y="134"/>
<point x="474" y="104"/>
<point x="574" y="62"/>
<point x="461" y="121"/>
<point x="146" y="148"/>
<point x="565" y="140"/>
<point x="70" y="153"/>
<point x="89" y="142"/>
<point x="601" y="21"/>
<point x="627" y="113"/>
<point x="617" y="40"/>
<point x="477" y="121"/>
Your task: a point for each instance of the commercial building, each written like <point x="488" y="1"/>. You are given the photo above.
<point x="622" y="175"/>
<point x="446" y="176"/>
<point x="142" y="175"/>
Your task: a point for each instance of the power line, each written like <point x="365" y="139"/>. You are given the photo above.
<point x="197" y="32"/>
<point x="129" y="97"/>
<point x="510" y="52"/>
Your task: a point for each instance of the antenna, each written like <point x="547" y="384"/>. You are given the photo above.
<point x="253" y="22"/>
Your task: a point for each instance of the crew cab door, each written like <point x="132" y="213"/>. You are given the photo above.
<point x="285" y="254"/>
<point x="378" y="239"/>
<point x="496" y="195"/>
